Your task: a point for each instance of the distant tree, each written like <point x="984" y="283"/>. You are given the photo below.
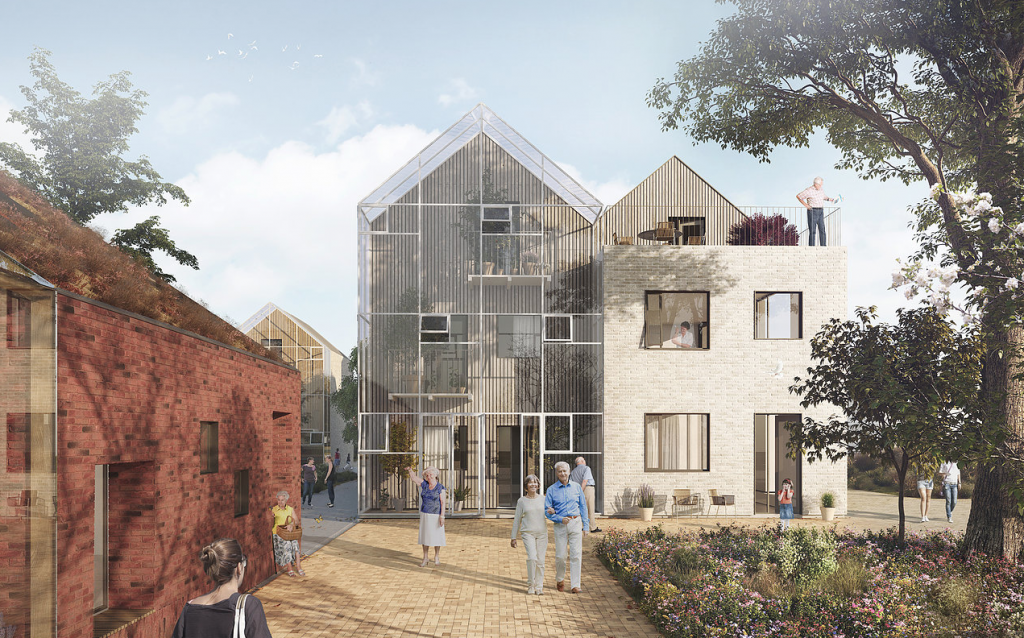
<point x="346" y="400"/>
<point x="906" y="391"/>
<point x="763" y="230"/>
<point x="82" y="170"/>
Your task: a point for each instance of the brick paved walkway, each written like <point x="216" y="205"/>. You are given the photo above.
<point x="368" y="582"/>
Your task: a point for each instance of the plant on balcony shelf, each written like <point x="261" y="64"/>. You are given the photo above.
<point x="761" y="230"/>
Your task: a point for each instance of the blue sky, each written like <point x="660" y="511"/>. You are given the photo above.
<point x="275" y="145"/>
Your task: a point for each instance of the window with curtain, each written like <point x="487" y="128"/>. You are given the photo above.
<point x="519" y="336"/>
<point x="677" y="320"/>
<point x="241" y="492"/>
<point x="208" y="448"/>
<point x="778" y="315"/>
<point x="676" y="442"/>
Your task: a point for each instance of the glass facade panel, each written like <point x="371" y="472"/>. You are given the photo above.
<point x="454" y="289"/>
<point x="778" y="315"/>
<point x="676" y="442"/>
<point x="28" y="373"/>
<point x="677" y="320"/>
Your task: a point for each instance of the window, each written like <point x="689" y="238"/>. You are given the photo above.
<point x="274" y="345"/>
<point x="497" y="221"/>
<point x="241" y="492"/>
<point x="444" y="329"/>
<point x="556" y="435"/>
<point x="677" y="320"/>
<point x="778" y="315"/>
<point x="19" y="321"/>
<point x="208" y="447"/>
<point x="691" y="230"/>
<point x="519" y="336"/>
<point x="558" y="328"/>
<point x="676" y="442"/>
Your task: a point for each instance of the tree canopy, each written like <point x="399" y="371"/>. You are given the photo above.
<point x="346" y="399"/>
<point x="81" y="143"/>
<point x="909" y="89"/>
<point x="899" y="387"/>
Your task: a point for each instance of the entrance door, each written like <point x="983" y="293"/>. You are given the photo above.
<point x="771" y="465"/>
<point x="451" y="443"/>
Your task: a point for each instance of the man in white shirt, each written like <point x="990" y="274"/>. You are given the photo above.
<point x="950" y="486"/>
<point x="813" y="199"/>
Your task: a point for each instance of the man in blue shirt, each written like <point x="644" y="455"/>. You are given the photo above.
<point x="581" y="474"/>
<point x="565" y="504"/>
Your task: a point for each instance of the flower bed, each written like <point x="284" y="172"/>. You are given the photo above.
<point x="814" y="582"/>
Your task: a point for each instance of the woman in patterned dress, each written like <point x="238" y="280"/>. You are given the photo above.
<point x="432" y="503"/>
<point x="286" y="553"/>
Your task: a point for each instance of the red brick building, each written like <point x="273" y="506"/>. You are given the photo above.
<point x="129" y="444"/>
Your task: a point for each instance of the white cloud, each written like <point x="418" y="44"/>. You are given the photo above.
<point x="458" y="91"/>
<point x="187" y="113"/>
<point x="607" y="192"/>
<point x="364" y="76"/>
<point x="282" y="227"/>
<point x="341" y="119"/>
<point x="14" y="132"/>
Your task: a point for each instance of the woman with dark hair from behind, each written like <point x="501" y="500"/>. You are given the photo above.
<point x="212" y="615"/>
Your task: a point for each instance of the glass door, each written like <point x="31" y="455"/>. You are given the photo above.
<point x="771" y="465"/>
<point x="451" y="443"/>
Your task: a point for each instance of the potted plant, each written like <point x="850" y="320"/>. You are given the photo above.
<point x="645" y="501"/>
<point x="383" y="498"/>
<point x="400" y="439"/>
<point x="459" y="496"/>
<point x="828" y="506"/>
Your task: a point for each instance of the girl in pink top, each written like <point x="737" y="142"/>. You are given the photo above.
<point x="786" y="504"/>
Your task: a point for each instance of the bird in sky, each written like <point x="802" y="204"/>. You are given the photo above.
<point x="219" y="52"/>
<point x="209" y="57"/>
<point x="284" y="48"/>
<point x="298" y="46"/>
<point x="295" y="65"/>
<point x="231" y="35"/>
<point x="250" y="78"/>
<point x="253" y="47"/>
<point x="777" y="372"/>
<point x="318" y="55"/>
<point x="253" y="43"/>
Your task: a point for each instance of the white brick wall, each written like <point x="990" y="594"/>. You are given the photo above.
<point x="730" y="381"/>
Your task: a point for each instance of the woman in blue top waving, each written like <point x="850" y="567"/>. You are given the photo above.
<point x="432" y="502"/>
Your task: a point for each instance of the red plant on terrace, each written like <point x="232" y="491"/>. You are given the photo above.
<point x="761" y="230"/>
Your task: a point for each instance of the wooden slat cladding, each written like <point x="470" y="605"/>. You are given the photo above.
<point x="674" y="190"/>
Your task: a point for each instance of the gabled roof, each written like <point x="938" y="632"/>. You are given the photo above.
<point x="268" y="309"/>
<point x="481" y="120"/>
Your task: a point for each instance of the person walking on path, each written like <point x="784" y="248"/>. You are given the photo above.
<point x="582" y="475"/>
<point x="432" y="504"/>
<point x="565" y="505"/>
<point x="813" y="199"/>
<point x="786" y="504"/>
<point x="213" y="614"/>
<point x="329" y="480"/>
<point x="530" y="521"/>
<point x="286" y="553"/>
<point x="337" y="455"/>
<point x="950" y="486"/>
<point x="308" y="482"/>
<point x="924" y="470"/>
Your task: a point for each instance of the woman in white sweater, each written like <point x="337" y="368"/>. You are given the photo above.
<point x="531" y="522"/>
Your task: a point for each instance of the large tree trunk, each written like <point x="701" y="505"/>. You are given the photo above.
<point x="995" y="527"/>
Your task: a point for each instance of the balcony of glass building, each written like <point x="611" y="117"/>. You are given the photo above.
<point x="723" y="226"/>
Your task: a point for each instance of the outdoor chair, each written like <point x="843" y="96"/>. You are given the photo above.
<point x="720" y="501"/>
<point x="665" y="231"/>
<point x="695" y="240"/>
<point x="683" y="498"/>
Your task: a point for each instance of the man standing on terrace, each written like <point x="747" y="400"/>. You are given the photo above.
<point x="565" y="504"/>
<point x="813" y="198"/>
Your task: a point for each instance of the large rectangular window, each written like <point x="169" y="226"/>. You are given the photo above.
<point x="678" y="320"/>
<point x="208" y="447"/>
<point x="676" y="442"/>
<point x="519" y="336"/>
<point x="778" y="315"/>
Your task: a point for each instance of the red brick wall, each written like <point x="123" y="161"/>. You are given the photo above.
<point x="131" y="395"/>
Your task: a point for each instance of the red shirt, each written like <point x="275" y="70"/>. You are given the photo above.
<point x="785" y="496"/>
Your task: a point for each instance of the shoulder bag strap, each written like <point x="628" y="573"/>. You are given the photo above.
<point x="239" y="629"/>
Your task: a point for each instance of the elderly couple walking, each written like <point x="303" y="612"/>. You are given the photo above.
<point x="565" y="504"/>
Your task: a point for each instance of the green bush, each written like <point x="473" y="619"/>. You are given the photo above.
<point x="851" y="577"/>
<point x="802" y="555"/>
<point x="687" y="564"/>
<point x="828" y="499"/>
<point x="345" y="476"/>
<point x="955" y="597"/>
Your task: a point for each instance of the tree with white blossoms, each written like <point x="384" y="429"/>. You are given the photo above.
<point x="917" y="90"/>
